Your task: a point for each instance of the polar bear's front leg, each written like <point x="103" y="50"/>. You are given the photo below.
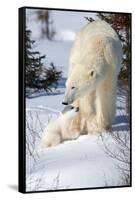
<point x="94" y="127"/>
<point x="72" y="131"/>
<point x="100" y="122"/>
<point x="105" y="105"/>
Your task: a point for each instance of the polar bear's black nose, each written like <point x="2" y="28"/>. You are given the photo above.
<point x="77" y="109"/>
<point x="64" y="103"/>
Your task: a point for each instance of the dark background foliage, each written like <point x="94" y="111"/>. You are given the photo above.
<point x="121" y="22"/>
<point x="38" y="76"/>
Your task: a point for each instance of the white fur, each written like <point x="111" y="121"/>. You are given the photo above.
<point x="59" y="130"/>
<point x="95" y="62"/>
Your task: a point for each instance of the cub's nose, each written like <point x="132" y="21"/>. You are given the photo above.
<point x="64" y="103"/>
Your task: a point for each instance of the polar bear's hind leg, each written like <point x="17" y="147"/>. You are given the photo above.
<point x="51" y="139"/>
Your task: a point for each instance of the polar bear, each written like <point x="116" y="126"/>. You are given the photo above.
<point x="59" y="130"/>
<point x="95" y="62"/>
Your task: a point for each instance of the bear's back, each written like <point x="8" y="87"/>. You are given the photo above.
<point x="98" y="27"/>
<point x="96" y="40"/>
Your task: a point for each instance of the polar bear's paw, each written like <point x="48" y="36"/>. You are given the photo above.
<point x="106" y="129"/>
<point x="75" y="135"/>
<point x="96" y="130"/>
<point x="51" y="140"/>
<point x="71" y="135"/>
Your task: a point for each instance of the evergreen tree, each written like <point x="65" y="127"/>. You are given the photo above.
<point x="37" y="76"/>
<point x="47" y="30"/>
<point x="33" y="62"/>
<point x="121" y="23"/>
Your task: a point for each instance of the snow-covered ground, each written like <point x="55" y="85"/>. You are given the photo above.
<point x="81" y="163"/>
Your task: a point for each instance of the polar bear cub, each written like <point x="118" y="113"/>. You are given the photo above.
<point x="58" y="130"/>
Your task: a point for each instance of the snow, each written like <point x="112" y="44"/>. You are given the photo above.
<point x="66" y="24"/>
<point x="60" y="59"/>
<point x="62" y="21"/>
<point x="65" y="35"/>
<point x="81" y="163"/>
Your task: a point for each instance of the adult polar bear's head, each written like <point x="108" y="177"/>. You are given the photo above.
<point x="81" y="81"/>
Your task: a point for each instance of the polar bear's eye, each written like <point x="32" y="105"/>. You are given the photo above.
<point x="73" y="87"/>
<point x="72" y="107"/>
<point x="92" y="73"/>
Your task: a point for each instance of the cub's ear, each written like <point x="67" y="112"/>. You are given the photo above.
<point x="92" y="73"/>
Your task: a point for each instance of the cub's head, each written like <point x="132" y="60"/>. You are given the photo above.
<point x="70" y="111"/>
<point x="79" y="83"/>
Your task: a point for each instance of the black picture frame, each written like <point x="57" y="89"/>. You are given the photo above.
<point x="22" y="103"/>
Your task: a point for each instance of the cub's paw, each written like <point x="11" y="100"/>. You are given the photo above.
<point x="51" y="140"/>
<point x="75" y="135"/>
